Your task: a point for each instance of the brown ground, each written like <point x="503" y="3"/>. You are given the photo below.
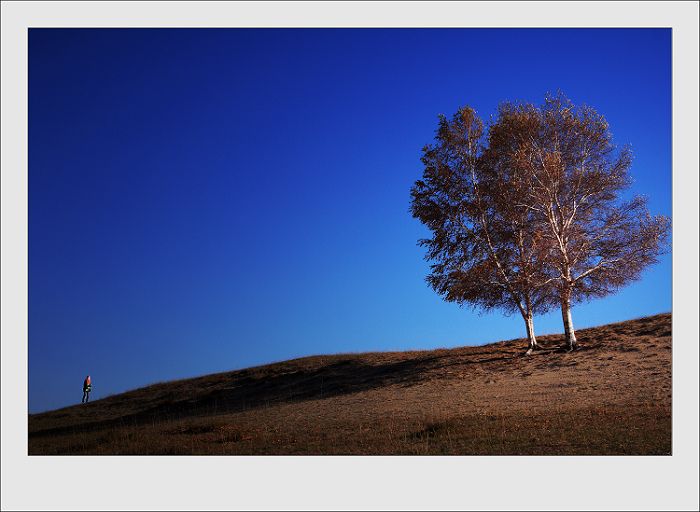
<point x="618" y="365"/>
<point x="621" y="364"/>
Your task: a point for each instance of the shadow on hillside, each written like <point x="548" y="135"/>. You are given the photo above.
<point x="253" y="389"/>
<point x="320" y="377"/>
<point x="343" y="377"/>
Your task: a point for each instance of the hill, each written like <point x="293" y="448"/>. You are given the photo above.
<point x="613" y="395"/>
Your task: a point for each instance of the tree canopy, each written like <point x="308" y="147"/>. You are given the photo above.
<point x="483" y="250"/>
<point x="530" y="214"/>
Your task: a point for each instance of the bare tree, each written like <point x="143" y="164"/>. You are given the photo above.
<point x="487" y="252"/>
<point x="573" y="179"/>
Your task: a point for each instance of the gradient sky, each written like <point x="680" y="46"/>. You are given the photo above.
<point x="206" y="200"/>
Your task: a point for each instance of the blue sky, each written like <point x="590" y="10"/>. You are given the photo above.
<point x="206" y="200"/>
<point x="177" y="203"/>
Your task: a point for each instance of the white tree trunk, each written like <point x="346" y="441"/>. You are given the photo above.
<point x="569" y="333"/>
<point x="531" y="340"/>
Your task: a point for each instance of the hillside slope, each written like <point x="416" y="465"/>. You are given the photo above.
<point x="623" y="363"/>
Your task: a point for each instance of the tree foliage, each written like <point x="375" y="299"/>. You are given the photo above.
<point x="574" y="179"/>
<point x="530" y="213"/>
<point x="483" y="250"/>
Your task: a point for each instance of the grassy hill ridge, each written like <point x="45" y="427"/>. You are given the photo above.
<point x="342" y="385"/>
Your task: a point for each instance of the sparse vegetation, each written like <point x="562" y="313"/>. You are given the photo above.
<point x="612" y="397"/>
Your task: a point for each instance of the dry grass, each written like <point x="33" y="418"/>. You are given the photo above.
<point x="613" y="396"/>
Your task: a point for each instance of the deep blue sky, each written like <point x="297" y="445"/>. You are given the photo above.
<point x="206" y="200"/>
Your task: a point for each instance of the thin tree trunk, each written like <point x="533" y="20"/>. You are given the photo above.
<point x="569" y="333"/>
<point x="531" y="340"/>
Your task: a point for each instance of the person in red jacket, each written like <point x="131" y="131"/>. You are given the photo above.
<point x="87" y="385"/>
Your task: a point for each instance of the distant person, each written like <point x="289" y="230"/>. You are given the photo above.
<point x="87" y="385"/>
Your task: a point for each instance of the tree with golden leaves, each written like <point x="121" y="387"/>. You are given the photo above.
<point x="483" y="251"/>
<point x="528" y="215"/>
<point x="573" y="178"/>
